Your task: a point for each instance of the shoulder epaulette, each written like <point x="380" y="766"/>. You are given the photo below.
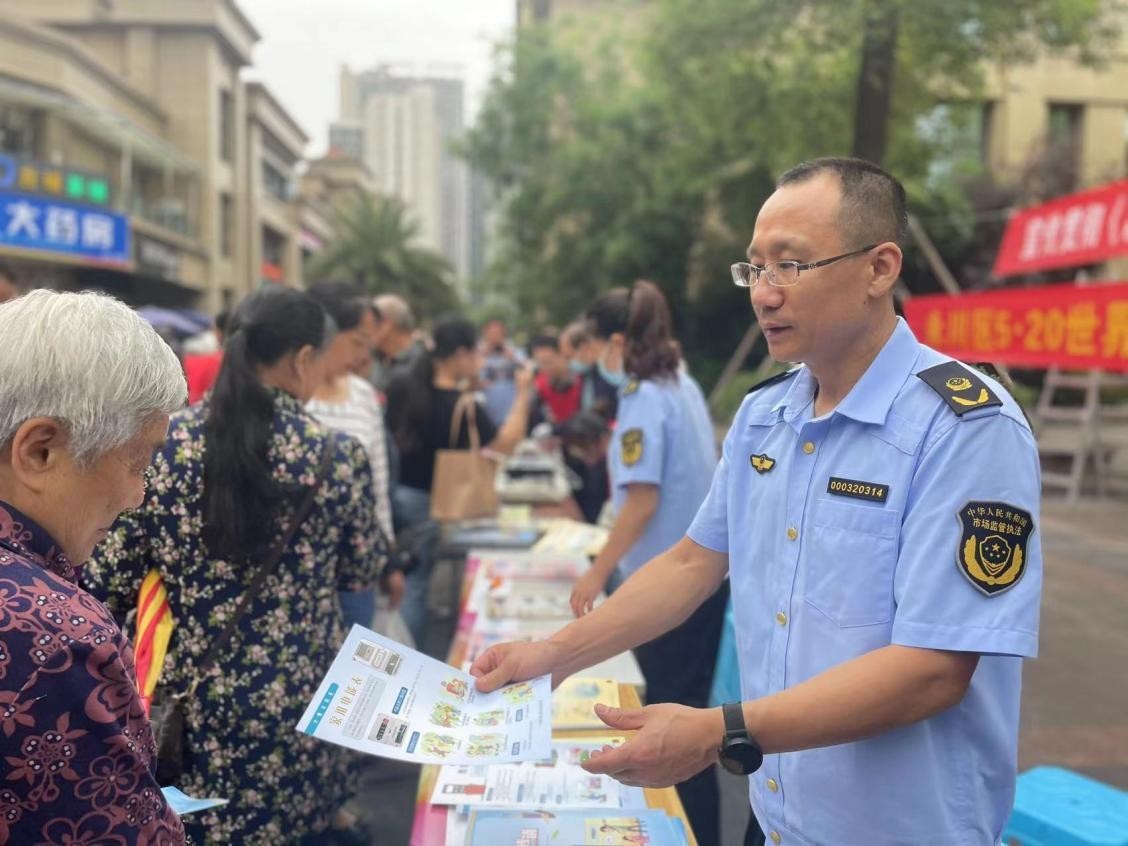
<point x="960" y="387"/>
<point x="631" y="387"/>
<point x="779" y="377"/>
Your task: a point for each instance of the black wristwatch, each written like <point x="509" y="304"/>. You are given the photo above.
<point x="740" y="753"/>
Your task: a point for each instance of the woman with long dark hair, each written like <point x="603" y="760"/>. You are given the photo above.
<point x="221" y="498"/>
<point x="661" y="462"/>
<point x="421" y="406"/>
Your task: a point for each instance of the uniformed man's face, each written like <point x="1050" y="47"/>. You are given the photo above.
<point x="820" y="318"/>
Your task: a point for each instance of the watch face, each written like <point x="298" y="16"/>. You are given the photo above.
<point x="741" y="757"/>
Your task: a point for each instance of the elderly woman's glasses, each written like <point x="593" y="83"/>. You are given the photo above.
<point x="783" y="274"/>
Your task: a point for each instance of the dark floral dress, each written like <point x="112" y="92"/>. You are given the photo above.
<point x="76" y="751"/>
<point x="242" y="743"/>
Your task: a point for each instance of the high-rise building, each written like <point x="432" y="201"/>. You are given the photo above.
<point x="402" y="127"/>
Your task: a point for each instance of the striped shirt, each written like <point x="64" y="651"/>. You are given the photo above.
<point x="361" y="417"/>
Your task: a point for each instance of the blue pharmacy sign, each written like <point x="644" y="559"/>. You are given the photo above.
<point x="48" y="225"/>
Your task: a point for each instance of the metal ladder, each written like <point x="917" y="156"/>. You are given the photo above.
<point x="1092" y="435"/>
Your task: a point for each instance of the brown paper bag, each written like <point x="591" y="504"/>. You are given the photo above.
<point x="463" y="484"/>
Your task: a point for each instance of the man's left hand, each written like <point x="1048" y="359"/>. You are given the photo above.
<point x="674" y="742"/>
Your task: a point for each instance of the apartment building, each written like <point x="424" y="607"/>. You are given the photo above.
<point x="132" y="119"/>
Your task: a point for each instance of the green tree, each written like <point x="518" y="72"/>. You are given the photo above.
<point x="375" y="246"/>
<point x="648" y="157"/>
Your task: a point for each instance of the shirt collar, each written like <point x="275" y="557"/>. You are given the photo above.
<point x="872" y="396"/>
<point x="26" y="538"/>
<point x="284" y="401"/>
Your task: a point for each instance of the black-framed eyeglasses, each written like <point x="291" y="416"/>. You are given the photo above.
<point x="783" y="274"/>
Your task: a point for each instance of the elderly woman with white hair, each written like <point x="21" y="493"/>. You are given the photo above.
<point x="86" y="389"/>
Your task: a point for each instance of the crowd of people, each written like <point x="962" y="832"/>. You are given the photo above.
<point x="281" y="485"/>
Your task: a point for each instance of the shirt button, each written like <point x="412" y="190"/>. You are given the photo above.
<point x="781" y="618"/>
<point x="773" y="785"/>
<point x="775" y="838"/>
<point x="792" y="533"/>
<point x="808" y="447"/>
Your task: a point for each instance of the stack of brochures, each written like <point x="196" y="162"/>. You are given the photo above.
<point x="554" y="801"/>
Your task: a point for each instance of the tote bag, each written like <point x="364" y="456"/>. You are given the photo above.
<point x="463" y="484"/>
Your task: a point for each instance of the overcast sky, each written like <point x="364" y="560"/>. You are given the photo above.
<point x="304" y="43"/>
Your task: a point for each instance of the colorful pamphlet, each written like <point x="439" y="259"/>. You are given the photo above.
<point x="384" y="699"/>
<point x="573" y="703"/>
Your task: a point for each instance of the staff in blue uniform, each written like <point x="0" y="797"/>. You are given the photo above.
<point x="876" y="511"/>
<point x="661" y="462"/>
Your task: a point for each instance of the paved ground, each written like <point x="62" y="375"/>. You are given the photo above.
<point x="1075" y="696"/>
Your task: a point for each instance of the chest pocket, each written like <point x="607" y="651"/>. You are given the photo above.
<point x="849" y="562"/>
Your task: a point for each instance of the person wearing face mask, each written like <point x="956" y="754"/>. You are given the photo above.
<point x="421" y="405"/>
<point x="661" y="462"/>
<point x="224" y="490"/>
<point x="583" y="352"/>
<point x="559" y="389"/>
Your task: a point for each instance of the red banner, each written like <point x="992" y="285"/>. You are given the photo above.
<point x="1084" y="228"/>
<point x="1078" y="327"/>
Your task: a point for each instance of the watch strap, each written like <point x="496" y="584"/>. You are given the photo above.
<point x="735" y="726"/>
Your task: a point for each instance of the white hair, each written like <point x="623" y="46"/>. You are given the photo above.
<point x="89" y="362"/>
<point x="395" y="309"/>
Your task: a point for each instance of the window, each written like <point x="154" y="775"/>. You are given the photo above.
<point x="273" y="256"/>
<point x="959" y="135"/>
<point x="19" y="131"/>
<point x="226" y="222"/>
<point x="1063" y="141"/>
<point x="1065" y="124"/>
<point x="226" y="126"/>
<point x="274" y="181"/>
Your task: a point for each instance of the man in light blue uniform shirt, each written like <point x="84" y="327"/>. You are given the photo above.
<point x="876" y="511"/>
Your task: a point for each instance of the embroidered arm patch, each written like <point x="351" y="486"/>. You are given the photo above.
<point x="994" y="544"/>
<point x="632" y="447"/>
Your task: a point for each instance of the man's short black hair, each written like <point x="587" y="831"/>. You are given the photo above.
<point x="544" y="341"/>
<point x="873" y="210"/>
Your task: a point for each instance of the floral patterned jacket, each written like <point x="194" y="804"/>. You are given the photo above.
<point x="241" y="742"/>
<point x="77" y="750"/>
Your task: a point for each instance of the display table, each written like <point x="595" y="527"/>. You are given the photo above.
<point x="430" y="821"/>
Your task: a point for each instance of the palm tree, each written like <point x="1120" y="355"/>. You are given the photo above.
<point x="375" y="247"/>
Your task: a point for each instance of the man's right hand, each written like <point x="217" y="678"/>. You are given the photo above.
<point x="513" y="662"/>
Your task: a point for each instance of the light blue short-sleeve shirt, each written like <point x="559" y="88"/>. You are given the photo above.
<point x="908" y="515"/>
<point x="663" y="436"/>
